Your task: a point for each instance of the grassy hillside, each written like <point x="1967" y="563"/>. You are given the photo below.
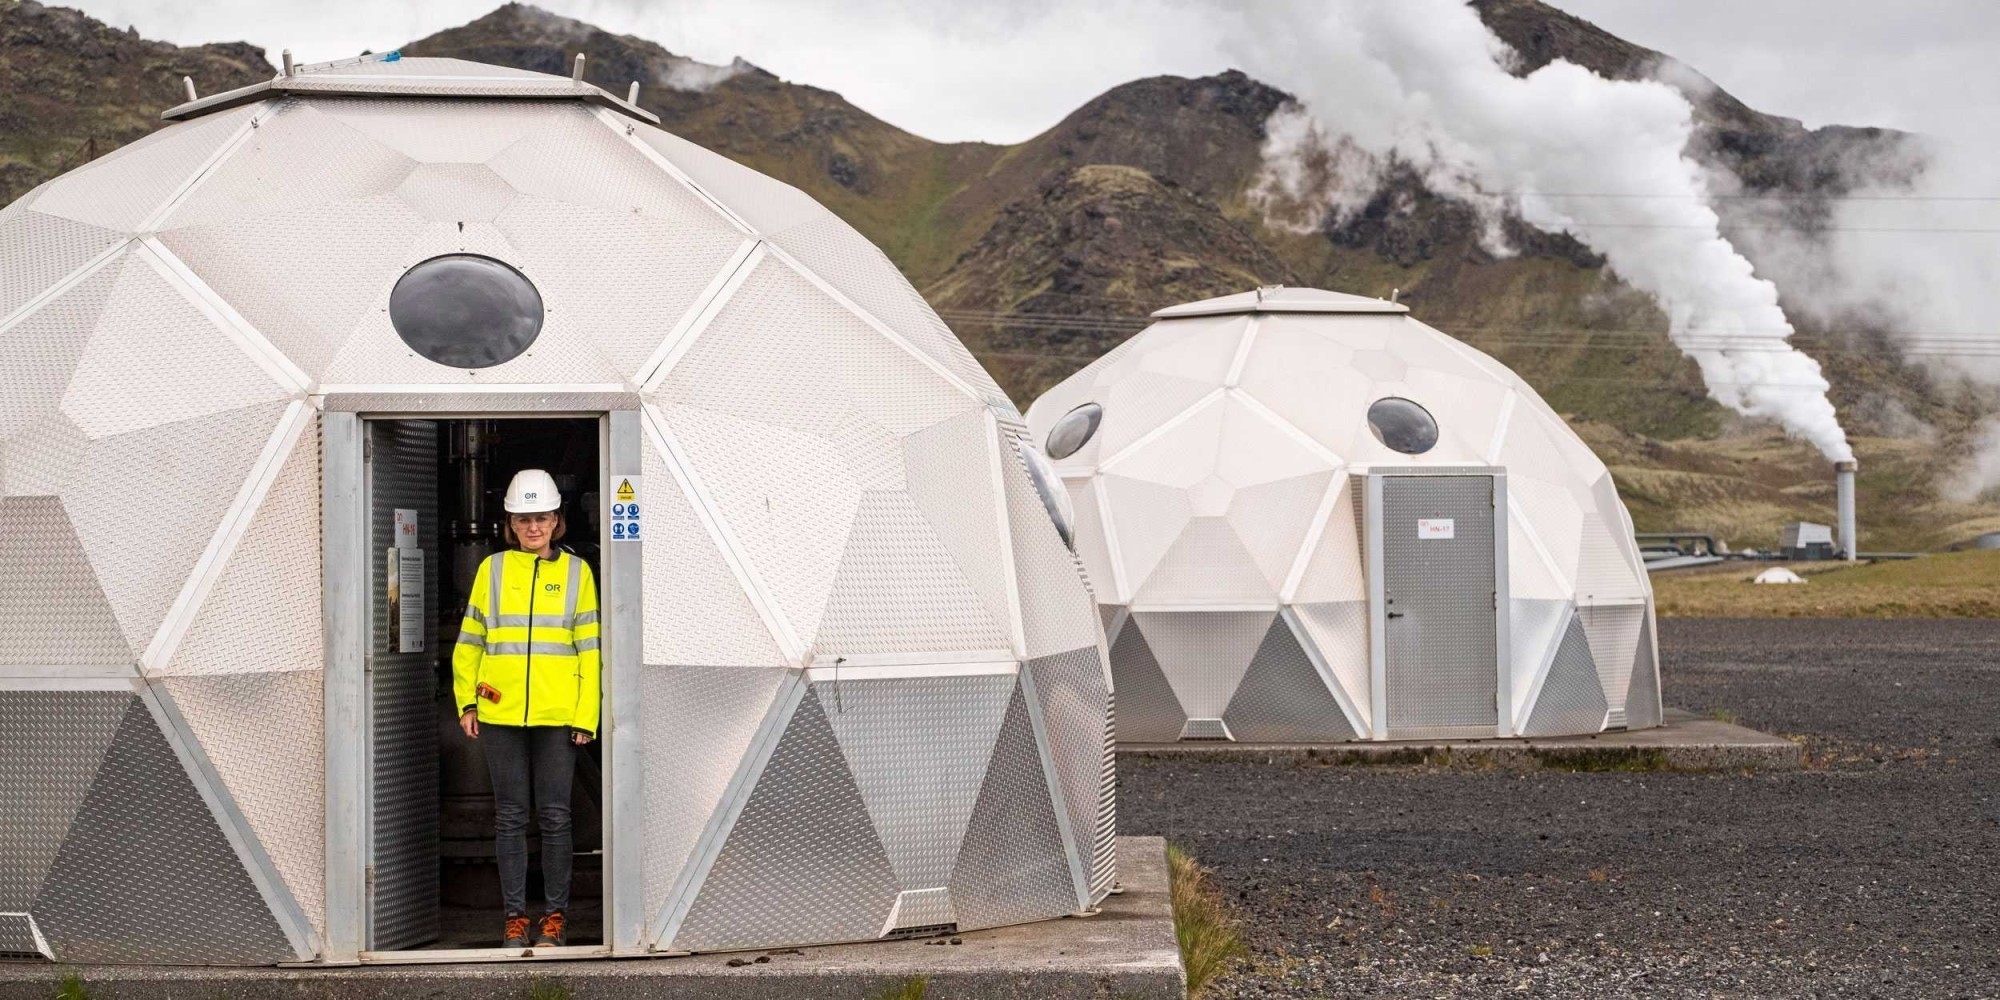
<point x="1951" y="585"/>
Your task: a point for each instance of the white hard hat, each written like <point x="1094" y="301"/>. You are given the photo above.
<point x="532" y="491"/>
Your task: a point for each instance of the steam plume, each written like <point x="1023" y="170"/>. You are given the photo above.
<point x="1425" y="82"/>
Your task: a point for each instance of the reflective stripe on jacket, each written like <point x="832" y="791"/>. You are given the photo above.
<point x="530" y="633"/>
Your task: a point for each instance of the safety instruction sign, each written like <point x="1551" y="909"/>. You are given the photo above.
<point x="406" y="598"/>
<point x="625" y="499"/>
<point x="1437" y="527"/>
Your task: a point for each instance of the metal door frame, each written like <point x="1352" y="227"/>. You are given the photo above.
<point x="1372" y="560"/>
<point x="346" y="619"/>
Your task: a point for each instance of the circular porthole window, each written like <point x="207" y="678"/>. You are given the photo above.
<point x="466" y="311"/>
<point x="1074" y="430"/>
<point x="1055" y="499"/>
<point x="1403" y="425"/>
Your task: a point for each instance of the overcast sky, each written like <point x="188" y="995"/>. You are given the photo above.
<point x="1004" y="71"/>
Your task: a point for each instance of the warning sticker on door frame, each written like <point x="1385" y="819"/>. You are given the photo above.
<point x="626" y="495"/>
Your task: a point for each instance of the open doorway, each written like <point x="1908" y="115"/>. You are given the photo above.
<point x="435" y="489"/>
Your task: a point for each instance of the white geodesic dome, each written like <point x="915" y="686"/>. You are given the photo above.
<point x="1219" y="514"/>
<point x="868" y="688"/>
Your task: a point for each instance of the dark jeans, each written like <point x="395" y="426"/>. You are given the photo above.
<point x="543" y="759"/>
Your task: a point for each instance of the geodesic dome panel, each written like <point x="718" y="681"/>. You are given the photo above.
<point x="874" y="694"/>
<point x="1222" y="487"/>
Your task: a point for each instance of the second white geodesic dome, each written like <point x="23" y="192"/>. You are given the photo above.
<point x="1219" y="514"/>
<point x="865" y="686"/>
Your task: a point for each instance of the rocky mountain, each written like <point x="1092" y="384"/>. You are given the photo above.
<point x="1045" y="253"/>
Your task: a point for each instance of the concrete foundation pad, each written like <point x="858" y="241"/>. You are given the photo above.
<point x="1686" y="742"/>
<point x="1127" y="950"/>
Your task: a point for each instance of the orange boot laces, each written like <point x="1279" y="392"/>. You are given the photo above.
<point x="517" y="927"/>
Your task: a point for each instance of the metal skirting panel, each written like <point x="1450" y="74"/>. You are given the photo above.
<point x="146" y="875"/>
<point x="1206" y="729"/>
<point x="923" y="908"/>
<point x="1013" y="865"/>
<point x="1442" y="648"/>
<point x="1283" y="698"/>
<point x="50" y="746"/>
<point x="1614" y="638"/>
<point x="1104" y="836"/>
<point x="1148" y="710"/>
<point x="1074" y="706"/>
<point x="1642" y="700"/>
<point x="403" y="700"/>
<point x="19" y="940"/>
<point x="1571" y="700"/>
<point x="802" y="864"/>
<point x="1203" y="654"/>
<point x="699" y="722"/>
<point x="51" y="608"/>
<point x="918" y="748"/>
<point x="276" y="777"/>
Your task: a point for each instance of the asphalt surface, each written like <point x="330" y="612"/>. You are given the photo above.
<point x="1873" y="872"/>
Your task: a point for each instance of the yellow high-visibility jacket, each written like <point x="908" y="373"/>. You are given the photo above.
<point x="530" y="633"/>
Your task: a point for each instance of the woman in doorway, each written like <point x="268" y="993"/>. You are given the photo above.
<point x="525" y="673"/>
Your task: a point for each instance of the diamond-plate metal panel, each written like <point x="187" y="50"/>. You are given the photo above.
<point x="263" y="614"/>
<point x="42" y="460"/>
<point x="1338" y="631"/>
<point x="918" y="749"/>
<point x="1148" y="710"/>
<point x="275" y="772"/>
<point x="1534" y="628"/>
<point x="1334" y="571"/>
<point x="843" y="258"/>
<point x="146" y="874"/>
<point x="1203" y="653"/>
<point x="147" y="334"/>
<point x="1139" y="404"/>
<point x="1057" y="612"/>
<point x="306" y="306"/>
<point x="38" y="355"/>
<point x="1075" y="708"/>
<point x="1602" y="573"/>
<point x="1642" y="700"/>
<point x="900" y="591"/>
<point x="786" y="497"/>
<point x="1207" y="565"/>
<point x="1273" y="520"/>
<point x="145" y="513"/>
<point x="1442" y="669"/>
<point x="1012" y="866"/>
<point x="1571" y="699"/>
<point x="802" y="864"/>
<point x="573" y="157"/>
<point x="41" y="250"/>
<point x="766" y="203"/>
<point x="948" y="472"/>
<point x="51" y="608"/>
<point x="50" y="746"/>
<point x="1104" y="837"/>
<point x="698" y="722"/>
<point x="441" y="131"/>
<point x="1614" y="638"/>
<point x="17" y="938"/>
<point x="1282" y="697"/>
<point x="623" y="303"/>
<point x="1091" y="549"/>
<point x="297" y="157"/>
<point x="696" y="610"/>
<point x="456" y="192"/>
<point x="1206" y="729"/>
<point x="764" y="356"/>
<point x="1148" y="518"/>
<point x="119" y="191"/>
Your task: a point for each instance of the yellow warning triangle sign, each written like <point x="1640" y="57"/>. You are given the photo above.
<point x="625" y="491"/>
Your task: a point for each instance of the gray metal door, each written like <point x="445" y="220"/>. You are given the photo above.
<point x="402" y="824"/>
<point x="1439" y="592"/>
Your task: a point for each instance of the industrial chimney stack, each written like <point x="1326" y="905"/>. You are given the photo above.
<point x="1843" y="487"/>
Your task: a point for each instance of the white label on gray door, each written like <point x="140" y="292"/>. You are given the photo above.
<point x="1436" y="527"/>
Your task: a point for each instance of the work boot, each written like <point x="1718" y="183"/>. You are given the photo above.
<point x="517" y="931"/>
<point x="551" y="933"/>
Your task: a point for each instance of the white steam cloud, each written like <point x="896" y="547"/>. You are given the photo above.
<point x="1425" y="82"/>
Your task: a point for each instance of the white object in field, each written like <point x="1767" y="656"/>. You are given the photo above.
<point x="1778" y="574"/>
<point x="1220" y="485"/>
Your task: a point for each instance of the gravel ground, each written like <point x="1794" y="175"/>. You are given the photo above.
<point x="1874" y="872"/>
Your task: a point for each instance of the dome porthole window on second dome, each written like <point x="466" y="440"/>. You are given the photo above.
<point x="1403" y="425"/>
<point x="1074" y="430"/>
<point x="466" y="311"/>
